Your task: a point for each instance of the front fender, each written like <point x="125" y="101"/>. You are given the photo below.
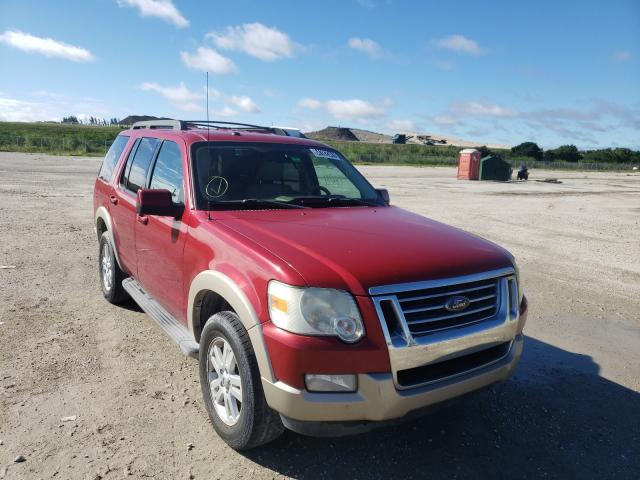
<point x="210" y="280"/>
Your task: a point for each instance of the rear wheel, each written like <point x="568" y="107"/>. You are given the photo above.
<point x="111" y="275"/>
<point x="231" y="385"/>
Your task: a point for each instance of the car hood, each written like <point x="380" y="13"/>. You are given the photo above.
<point x="356" y="248"/>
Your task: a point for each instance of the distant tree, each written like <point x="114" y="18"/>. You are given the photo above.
<point x="567" y="153"/>
<point x="485" y="151"/>
<point x="528" y="149"/>
<point x="70" y="119"/>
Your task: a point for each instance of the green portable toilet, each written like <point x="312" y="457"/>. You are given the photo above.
<point x="494" y="168"/>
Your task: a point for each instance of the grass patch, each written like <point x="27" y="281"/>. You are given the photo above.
<point x="56" y="138"/>
<point x="86" y="140"/>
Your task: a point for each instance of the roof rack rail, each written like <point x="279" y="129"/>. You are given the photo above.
<point x="166" y="123"/>
<point x="171" y="124"/>
<point x="228" y="125"/>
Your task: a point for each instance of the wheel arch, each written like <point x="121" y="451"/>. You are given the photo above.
<point x="221" y="290"/>
<point x="102" y="223"/>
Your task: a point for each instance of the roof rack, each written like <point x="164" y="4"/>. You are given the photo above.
<point x="227" y="125"/>
<point x="167" y="123"/>
<point x="186" y="124"/>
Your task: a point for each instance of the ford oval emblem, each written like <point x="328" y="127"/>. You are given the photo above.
<point x="457" y="303"/>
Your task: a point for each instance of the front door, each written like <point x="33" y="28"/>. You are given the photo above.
<point x="160" y="240"/>
<point x="123" y="210"/>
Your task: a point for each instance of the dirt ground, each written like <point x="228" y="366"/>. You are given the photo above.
<point x="89" y="390"/>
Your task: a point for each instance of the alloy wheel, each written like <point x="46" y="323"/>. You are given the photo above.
<point x="225" y="385"/>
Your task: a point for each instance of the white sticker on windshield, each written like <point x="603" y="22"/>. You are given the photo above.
<point x="318" y="152"/>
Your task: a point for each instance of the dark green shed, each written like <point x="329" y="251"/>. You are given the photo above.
<point x="494" y="168"/>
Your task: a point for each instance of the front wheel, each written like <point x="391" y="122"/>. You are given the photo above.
<point x="231" y="386"/>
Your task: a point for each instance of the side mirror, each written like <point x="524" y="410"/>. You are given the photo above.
<point x="384" y="193"/>
<point x="157" y="202"/>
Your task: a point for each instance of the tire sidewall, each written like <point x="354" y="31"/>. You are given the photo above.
<point x="108" y="294"/>
<point x="239" y="434"/>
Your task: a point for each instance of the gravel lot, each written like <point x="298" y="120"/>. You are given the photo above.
<point x="89" y="390"/>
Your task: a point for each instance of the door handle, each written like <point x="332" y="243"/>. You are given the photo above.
<point x="113" y="199"/>
<point x="143" y="219"/>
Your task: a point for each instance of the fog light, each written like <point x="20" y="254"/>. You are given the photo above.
<point x="331" y="383"/>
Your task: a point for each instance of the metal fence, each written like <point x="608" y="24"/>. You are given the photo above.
<point x="57" y="144"/>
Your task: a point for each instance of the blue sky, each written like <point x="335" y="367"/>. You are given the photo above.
<point x="554" y="72"/>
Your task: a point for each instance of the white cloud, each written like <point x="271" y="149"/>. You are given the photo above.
<point x="401" y="125"/>
<point x="445" y="120"/>
<point x="310" y="103"/>
<point x="245" y="104"/>
<point x="164" y="9"/>
<point x="51" y="107"/>
<point x="460" y="44"/>
<point x="12" y="110"/>
<point x="226" y="112"/>
<point x="622" y="56"/>
<point x="483" y="109"/>
<point x="179" y="96"/>
<point x="366" y="46"/>
<point x="45" y="46"/>
<point x="353" y="109"/>
<point x="257" y="40"/>
<point x="208" y="60"/>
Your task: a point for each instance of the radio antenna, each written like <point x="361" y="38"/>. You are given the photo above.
<point x="208" y="146"/>
<point x="208" y="138"/>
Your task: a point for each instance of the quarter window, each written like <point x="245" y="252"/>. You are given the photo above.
<point x="111" y="158"/>
<point x="167" y="173"/>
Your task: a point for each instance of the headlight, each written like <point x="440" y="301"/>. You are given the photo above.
<point x="315" y="311"/>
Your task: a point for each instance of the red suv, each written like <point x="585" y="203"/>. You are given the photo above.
<point x="311" y="303"/>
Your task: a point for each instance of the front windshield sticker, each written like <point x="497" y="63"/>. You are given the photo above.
<point x="216" y="187"/>
<point x="325" y="153"/>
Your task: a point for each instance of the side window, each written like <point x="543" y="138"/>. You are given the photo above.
<point x="125" y="171"/>
<point x="136" y="176"/>
<point x="332" y="178"/>
<point x="167" y="172"/>
<point x="111" y="158"/>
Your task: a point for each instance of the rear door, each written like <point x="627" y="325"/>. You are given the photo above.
<point x="103" y="189"/>
<point x="134" y="176"/>
<point x="160" y="240"/>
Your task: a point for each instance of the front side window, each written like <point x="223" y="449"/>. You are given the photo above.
<point x="252" y="175"/>
<point x="167" y="172"/>
<point x="111" y="158"/>
<point x="136" y="173"/>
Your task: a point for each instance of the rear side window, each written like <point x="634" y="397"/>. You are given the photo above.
<point x="111" y="158"/>
<point x="136" y="174"/>
<point x="167" y="172"/>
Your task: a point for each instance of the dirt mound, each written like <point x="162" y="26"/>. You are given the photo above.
<point x="334" y="133"/>
<point x="371" y="137"/>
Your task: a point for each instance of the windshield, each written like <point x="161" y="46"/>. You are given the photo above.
<point x="258" y="175"/>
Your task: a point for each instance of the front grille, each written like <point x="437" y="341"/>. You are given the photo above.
<point x="425" y="312"/>
<point x="429" y="342"/>
<point x="449" y="368"/>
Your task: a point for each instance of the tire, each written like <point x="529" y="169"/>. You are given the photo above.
<point x="111" y="275"/>
<point x="252" y="423"/>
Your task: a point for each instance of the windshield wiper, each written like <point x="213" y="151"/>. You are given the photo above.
<point x="336" y="199"/>
<point x="256" y="202"/>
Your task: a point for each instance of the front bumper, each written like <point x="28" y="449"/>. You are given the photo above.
<point x="377" y="398"/>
